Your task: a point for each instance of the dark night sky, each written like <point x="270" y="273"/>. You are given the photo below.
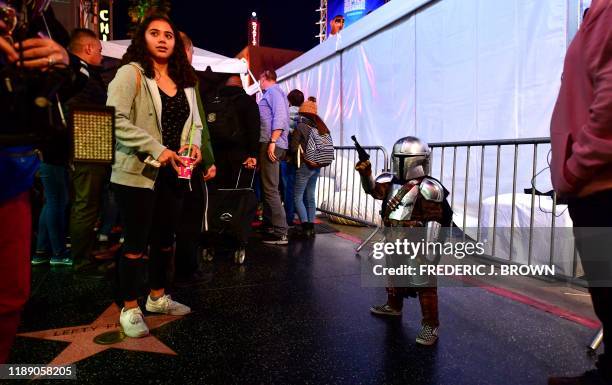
<point x="221" y="26"/>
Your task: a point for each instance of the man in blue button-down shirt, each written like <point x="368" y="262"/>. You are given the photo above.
<point x="274" y="112"/>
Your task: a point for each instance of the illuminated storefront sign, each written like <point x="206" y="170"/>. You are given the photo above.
<point x="105" y="16"/>
<point x="254" y="34"/>
<point x="254" y="31"/>
<point x="104" y="24"/>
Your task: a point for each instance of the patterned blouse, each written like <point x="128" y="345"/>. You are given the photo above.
<point x="175" y="112"/>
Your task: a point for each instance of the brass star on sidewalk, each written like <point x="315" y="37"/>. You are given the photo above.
<point x="82" y="343"/>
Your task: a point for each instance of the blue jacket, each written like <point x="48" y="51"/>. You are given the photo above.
<point x="18" y="165"/>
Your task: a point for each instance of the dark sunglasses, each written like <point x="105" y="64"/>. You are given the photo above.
<point x="341" y="21"/>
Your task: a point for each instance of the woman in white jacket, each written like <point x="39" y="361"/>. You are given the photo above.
<point x="157" y="119"/>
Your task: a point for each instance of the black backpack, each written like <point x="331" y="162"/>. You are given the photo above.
<point x="222" y="119"/>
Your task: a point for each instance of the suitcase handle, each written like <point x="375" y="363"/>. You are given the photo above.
<point x="240" y="173"/>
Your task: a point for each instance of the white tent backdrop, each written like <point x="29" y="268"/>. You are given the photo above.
<point x="378" y="87"/>
<point x="488" y="69"/>
<point x="445" y="70"/>
<point x="202" y="59"/>
<point x="323" y="82"/>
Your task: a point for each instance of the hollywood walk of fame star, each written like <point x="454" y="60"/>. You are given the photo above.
<point x="82" y="343"/>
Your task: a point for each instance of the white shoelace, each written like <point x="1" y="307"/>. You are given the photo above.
<point x="171" y="303"/>
<point x="135" y="317"/>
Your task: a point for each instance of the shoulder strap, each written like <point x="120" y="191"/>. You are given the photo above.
<point x="394" y="202"/>
<point x="307" y="130"/>
<point x="138" y="79"/>
<point x="200" y="106"/>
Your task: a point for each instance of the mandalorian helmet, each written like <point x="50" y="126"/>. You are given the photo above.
<point x="410" y="159"/>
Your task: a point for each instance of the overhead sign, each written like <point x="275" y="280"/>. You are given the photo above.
<point x="105" y="17"/>
<point x="352" y="10"/>
<point x="254" y="34"/>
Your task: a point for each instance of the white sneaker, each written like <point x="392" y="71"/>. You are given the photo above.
<point x="132" y="322"/>
<point x="166" y="305"/>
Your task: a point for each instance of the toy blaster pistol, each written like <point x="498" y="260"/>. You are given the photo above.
<point x="363" y="155"/>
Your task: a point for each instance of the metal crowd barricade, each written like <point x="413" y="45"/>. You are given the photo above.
<point x="466" y="149"/>
<point x="339" y="191"/>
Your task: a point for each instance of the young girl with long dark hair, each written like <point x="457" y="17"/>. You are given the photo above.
<point x="157" y="120"/>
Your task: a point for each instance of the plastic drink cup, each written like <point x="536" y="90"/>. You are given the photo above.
<point x="186" y="168"/>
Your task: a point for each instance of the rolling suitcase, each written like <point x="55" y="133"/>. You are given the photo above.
<point x="229" y="217"/>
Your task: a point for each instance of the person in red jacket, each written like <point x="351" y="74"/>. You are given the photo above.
<point x="581" y="168"/>
<point x="18" y="164"/>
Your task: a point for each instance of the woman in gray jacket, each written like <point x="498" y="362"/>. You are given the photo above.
<point x="156" y="120"/>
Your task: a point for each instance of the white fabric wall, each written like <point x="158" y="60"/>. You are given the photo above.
<point x="488" y="69"/>
<point x="323" y="82"/>
<point x="379" y="86"/>
<point x="452" y="70"/>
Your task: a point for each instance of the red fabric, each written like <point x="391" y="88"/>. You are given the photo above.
<point x="15" y="235"/>
<point x="581" y="127"/>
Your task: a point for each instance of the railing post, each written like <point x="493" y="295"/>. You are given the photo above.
<point x="496" y="200"/>
<point x="453" y="180"/>
<point x="482" y="156"/>
<point x="465" y="192"/>
<point x="531" y="218"/>
<point x="513" y="209"/>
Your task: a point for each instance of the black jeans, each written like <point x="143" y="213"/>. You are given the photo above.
<point x="592" y="217"/>
<point x="149" y="219"/>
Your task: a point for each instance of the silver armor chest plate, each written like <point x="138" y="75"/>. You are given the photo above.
<point x="429" y="189"/>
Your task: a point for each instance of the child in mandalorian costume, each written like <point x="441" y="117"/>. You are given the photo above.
<point x="411" y="199"/>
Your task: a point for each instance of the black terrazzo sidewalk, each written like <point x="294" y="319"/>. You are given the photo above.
<point x="298" y="315"/>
